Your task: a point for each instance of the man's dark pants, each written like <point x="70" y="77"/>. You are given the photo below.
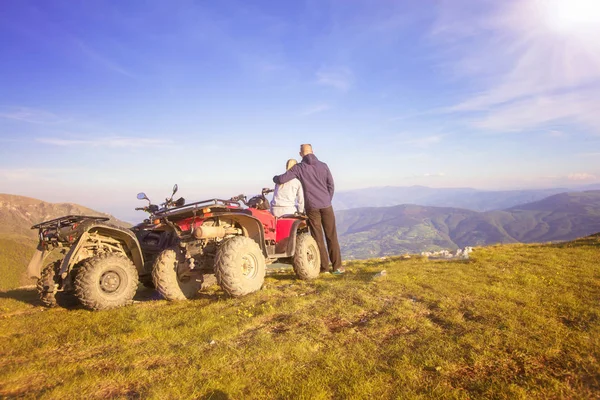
<point x="319" y="220"/>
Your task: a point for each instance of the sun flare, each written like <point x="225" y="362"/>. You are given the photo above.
<point x="571" y="16"/>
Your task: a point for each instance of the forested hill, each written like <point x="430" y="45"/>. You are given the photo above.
<point x="378" y="231"/>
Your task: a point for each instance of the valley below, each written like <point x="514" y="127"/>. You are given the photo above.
<point x="384" y="231"/>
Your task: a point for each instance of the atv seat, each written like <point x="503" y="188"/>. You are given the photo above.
<point x="294" y="215"/>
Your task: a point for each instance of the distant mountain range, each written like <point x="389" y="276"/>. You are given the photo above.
<point x="364" y="232"/>
<point x="468" y="198"/>
<point x="18" y="240"/>
<point x="379" y="231"/>
<point x="19" y="213"/>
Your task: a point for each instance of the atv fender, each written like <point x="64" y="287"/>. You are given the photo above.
<point x="126" y="236"/>
<point x="287" y="245"/>
<point x="35" y="264"/>
<point x="294" y="235"/>
<point x="252" y="228"/>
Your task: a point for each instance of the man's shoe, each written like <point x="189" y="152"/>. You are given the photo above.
<point x="339" y="271"/>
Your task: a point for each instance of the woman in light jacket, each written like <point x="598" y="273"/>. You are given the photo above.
<point x="288" y="197"/>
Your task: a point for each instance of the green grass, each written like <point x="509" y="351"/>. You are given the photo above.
<point x="515" y="321"/>
<point x="15" y="253"/>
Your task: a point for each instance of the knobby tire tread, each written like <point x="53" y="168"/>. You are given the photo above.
<point x="228" y="274"/>
<point x="45" y="285"/>
<point x="302" y="266"/>
<point x="164" y="276"/>
<point x="86" y="282"/>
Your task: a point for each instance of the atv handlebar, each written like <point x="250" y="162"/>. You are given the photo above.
<point x="179" y="203"/>
<point x="239" y="197"/>
<point x="242" y="198"/>
<point x="153" y="208"/>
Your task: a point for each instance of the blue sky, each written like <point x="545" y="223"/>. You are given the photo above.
<point x="102" y="99"/>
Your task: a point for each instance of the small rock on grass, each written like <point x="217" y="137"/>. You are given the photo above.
<point x="380" y="274"/>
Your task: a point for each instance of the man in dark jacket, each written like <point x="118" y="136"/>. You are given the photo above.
<point x="317" y="184"/>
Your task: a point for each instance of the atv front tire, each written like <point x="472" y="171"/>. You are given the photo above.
<point x="106" y="281"/>
<point x="47" y="288"/>
<point x="307" y="259"/>
<point x="167" y="280"/>
<point x="240" y="266"/>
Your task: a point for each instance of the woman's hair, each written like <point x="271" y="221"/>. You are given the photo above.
<point x="290" y="163"/>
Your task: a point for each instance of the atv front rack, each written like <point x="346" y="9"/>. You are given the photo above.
<point x="191" y="207"/>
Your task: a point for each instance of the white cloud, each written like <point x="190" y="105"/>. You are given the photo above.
<point x="581" y="176"/>
<point x="118" y="142"/>
<point x="315" y="109"/>
<point x="423" y="142"/>
<point x="31" y="174"/>
<point x="529" y="113"/>
<point x="412" y="114"/>
<point x="31" y="115"/>
<point x="102" y="60"/>
<point x="268" y="66"/>
<point x="521" y="67"/>
<point x="340" y="78"/>
<point x="556" y="134"/>
<point x="434" y="175"/>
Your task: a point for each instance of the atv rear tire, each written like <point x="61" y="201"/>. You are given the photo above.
<point x="106" y="281"/>
<point x="46" y="288"/>
<point x="240" y="266"/>
<point x="168" y="282"/>
<point x="307" y="259"/>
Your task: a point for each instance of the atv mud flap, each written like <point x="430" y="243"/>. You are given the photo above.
<point x="35" y="265"/>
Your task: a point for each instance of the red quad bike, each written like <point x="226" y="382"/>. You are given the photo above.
<point x="234" y="240"/>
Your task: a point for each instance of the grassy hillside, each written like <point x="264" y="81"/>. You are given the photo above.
<point x="15" y="253"/>
<point x="515" y="321"/>
<point x="380" y="231"/>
